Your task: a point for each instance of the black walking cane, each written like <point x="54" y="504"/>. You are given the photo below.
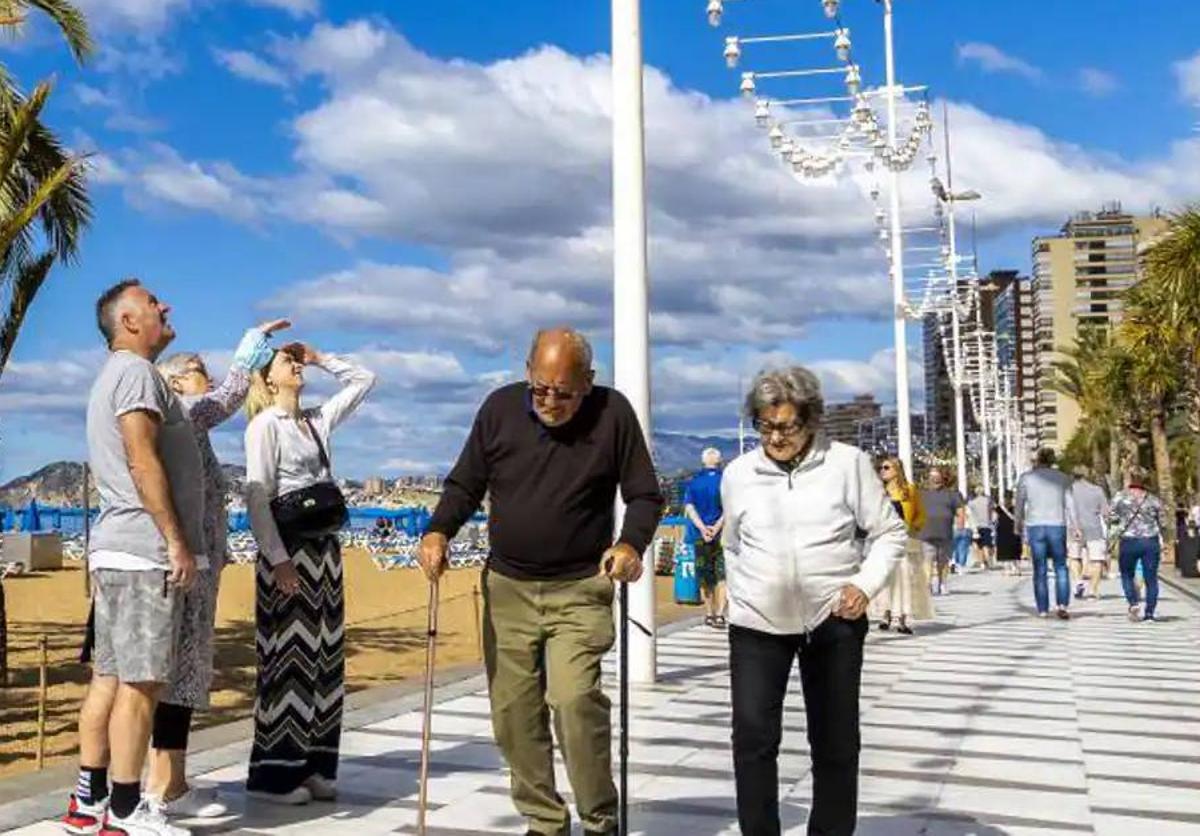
<point x="623" y="686"/>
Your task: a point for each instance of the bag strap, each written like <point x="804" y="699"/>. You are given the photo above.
<point x="320" y="447"/>
<point x="1133" y="516"/>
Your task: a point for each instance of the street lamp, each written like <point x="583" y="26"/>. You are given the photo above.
<point x="733" y="52"/>
<point x="762" y="113"/>
<point x="841" y="43"/>
<point x="715" y="9"/>
<point x="863" y="135"/>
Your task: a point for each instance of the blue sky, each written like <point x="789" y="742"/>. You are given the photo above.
<point x="422" y="184"/>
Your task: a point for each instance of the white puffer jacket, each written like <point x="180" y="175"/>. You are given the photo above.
<point x="790" y="536"/>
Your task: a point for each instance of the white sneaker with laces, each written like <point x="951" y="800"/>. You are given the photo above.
<point x="145" y="820"/>
<point x="322" y="789"/>
<point x="196" y="803"/>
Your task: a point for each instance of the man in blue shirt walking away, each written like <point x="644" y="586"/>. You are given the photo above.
<point x="702" y="506"/>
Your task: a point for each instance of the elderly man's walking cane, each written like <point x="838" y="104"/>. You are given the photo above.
<point x="427" y="725"/>
<point x="623" y="680"/>
<point x="623" y="686"/>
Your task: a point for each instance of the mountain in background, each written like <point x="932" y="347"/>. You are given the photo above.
<point x="676" y="453"/>
<point x="60" y="483"/>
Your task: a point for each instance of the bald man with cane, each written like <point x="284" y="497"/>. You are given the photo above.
<point x="551" y="452"/>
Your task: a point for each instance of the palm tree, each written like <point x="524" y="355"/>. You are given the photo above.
<point x="1173" y="279"/>
<point x="67" y="18"/>
<point x="42" y="189"/>
<point x="44" y="206"/>
<point x="1082" y="376"/>
<point x="1158" y="372"/>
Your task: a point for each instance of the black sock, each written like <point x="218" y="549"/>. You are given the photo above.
<point x="92" y="786"/>
<point x="125" y="798"/>
<point x="171" y="725"/>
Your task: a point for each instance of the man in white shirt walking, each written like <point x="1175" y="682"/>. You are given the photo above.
<point x="143" y="553"/>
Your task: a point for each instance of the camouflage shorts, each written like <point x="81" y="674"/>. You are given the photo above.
<point x="710" y="563"/>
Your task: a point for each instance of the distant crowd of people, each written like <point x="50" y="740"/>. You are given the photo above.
<point x="796" y="542"/>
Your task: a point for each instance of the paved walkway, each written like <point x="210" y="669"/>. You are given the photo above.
<point x="988" y="722"/>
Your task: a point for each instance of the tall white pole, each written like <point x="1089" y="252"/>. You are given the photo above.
<point x="981" y="417"/>
<point x="899" y="323"/>
<point x="960" y="424"/>
<point x="999" y="422"/>
<point x="631" y="320"/>
<point x="957" y="376"/>
<point x="741" y="420"/>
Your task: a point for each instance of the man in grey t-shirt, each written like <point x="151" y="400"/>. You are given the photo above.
<point x="142" y="554"/>
<point x="943" y="507"/>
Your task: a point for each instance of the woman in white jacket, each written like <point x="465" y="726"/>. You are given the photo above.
<point x="798" y="588"/>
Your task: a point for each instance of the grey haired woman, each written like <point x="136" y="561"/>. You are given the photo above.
<point x="798" y="589"/>
<point x="191" y="676"/>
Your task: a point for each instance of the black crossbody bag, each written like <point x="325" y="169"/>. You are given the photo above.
<point x="313" y="512"/>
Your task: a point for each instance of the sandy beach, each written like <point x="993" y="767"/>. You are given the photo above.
<point x="385" y="643"/>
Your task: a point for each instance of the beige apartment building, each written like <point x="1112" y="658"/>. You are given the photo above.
<point x="1078" y="279"/>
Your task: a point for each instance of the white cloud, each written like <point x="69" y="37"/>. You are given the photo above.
<point x="992" y="59"/>
<point x="249" y="66"/>
<point x="93" y="97"/>
<point x="504" y="169"/>
<point x="1098" y="83"/>
<point x="501" y="172"/>
<point x="1187" y="73"/>
<point x="333" y="50"/>
<point x="143" y="16"/>
<point x="296" y="8"/>
<point x="169" y="179"/>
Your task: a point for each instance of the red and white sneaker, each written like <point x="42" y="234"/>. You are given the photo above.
<point x="84" y="819"/>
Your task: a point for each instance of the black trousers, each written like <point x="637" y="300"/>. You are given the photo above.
<point x="831" y="659"/>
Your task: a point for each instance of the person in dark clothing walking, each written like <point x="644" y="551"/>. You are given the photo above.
<point x="551" y="454"/>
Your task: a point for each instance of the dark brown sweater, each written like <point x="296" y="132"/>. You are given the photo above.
<point x="552" y="490"/>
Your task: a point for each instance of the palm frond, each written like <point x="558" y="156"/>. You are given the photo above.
<point x="24" y="286"/>
<point x="70" y="22"/>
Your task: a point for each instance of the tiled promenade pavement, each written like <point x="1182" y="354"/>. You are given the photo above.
<point x="988" y="722"/>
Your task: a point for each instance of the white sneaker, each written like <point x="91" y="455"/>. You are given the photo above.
<point x="322" y="789"/>
<point x="145" y="820"/>
<point x="297" y="797"/>
<point x="196" y="803"/>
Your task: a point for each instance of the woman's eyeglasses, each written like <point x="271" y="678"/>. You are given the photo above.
<point x="768" y="429"/>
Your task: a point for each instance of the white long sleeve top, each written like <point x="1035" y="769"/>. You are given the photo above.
<point x="790" y="536"/>
<point x="282" y="456"/>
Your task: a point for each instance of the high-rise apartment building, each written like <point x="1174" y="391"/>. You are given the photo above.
<point x="1079" y="277"/>
<point x="841" y="420"/>
<point x="1016" y="347"/>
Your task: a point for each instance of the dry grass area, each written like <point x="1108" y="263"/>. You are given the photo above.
<point x="385" y="643"/>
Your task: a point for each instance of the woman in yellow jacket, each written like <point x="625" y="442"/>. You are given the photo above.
<point x="907" y="594"/>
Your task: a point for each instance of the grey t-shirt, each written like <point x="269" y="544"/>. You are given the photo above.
<point x="941" y="508"/>
<point x="981" y="511"/>
<point x="129" y="383"/>
<point x="1091" y="506"/>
